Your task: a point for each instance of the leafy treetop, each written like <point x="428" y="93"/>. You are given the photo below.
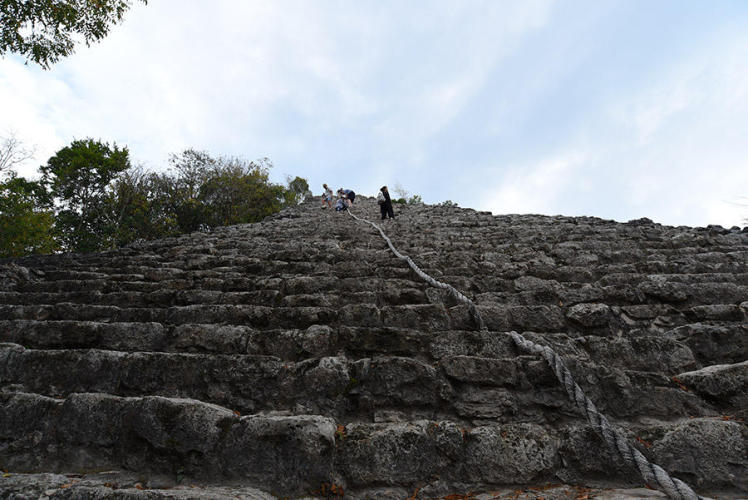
<point x="45" y="30"/>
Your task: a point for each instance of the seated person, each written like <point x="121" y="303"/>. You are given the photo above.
<point x="340" y="204"/>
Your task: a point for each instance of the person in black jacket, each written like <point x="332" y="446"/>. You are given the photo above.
<point x="386" y="206"/>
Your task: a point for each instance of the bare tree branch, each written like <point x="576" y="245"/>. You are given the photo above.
<point x="13" y="152"/>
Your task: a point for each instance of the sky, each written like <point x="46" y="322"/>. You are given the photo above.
<point x="614" y="109"/>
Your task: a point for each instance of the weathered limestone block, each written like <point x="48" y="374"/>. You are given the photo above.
<point x="725" y="384"/>
<point x="480" y="404"/>
<point x="24" y="420"/>
<point x="511" y="453"/>
<point x="92" y="420"/>
<point x="710" y="453"/>
<point x="497" y="317"/>
<point x="643" y="353"/>
<point x="392" y="341"/>
<point x="397" y="381"/>
<point x="583" y="454"/>
<point x="719" y="312"/>
<point x="282" y="455"/>
<point x="363" y="315"/>
<point x="210" y="338"/>
<point x="531" y="283"/>
<point x="590" y="315"/>
<point x="61" y="372"/>
<point x="489" y="371"/>
<point x="181" y="425"/>
<point x="472" y="343"/>
<point x="397" y="453"/>
<point x="12" y="274"/>
<point x="285" y="455"/>
<point x="648" y="311"/>
<point x="718" y="293"/>
<point x="428" y="317"/>
<point x="328" y="377"/>
<point x="537" y="318"/>
<point x="714" y="344"/>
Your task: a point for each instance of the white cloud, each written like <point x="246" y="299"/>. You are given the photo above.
<point x="673" y="150"/>
<point x="269" y="78"/>
<point x="360" y="93"/>
<point x="532" y="189"/>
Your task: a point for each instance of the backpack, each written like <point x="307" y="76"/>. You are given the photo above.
<point x="380" y="198"/>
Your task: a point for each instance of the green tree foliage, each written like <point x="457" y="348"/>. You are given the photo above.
<point x="404" y="196"/>
<point x="218" y="191"/>
<point x="298" y="190"/>
<point x="45" y="30"/>
<point x="78" y="177"/>
<point x="90" y="198"/>
<point x="140" y="205"/>
<point x="26" y="218"/>
<point x="201" y="192"/>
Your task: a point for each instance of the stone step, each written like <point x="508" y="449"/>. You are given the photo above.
<point x="251" y="315"/>
<point x="119" y="485"/>
<point x="380" y="256"/>
<point x="284" y="455"/>
<point x="379" y="278"/>
<point x="726" y="385"/>
<point x="465" y="387"/>
<point x="335" y="294"/>
<point x="671" y="354"/>
<point x="123" y="485"/>
<point x="67" y="334"/>
<point x="295" y="454"/>
<point x="430" y="317"/>
<point x="714" y="342"/>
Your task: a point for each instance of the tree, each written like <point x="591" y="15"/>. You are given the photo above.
<point x="139" y="206"/>
<point x="213" y="191"/>
<point x="12" y="153"/>
<point x="78" y="177"/>
<point x="45" y="30"/>
<point x="237" y="192"/>
<point x="26" y="218"/>
<point x="298" y="190"/>
<point x="404" y="196"/>
<point x="401" y="192"/>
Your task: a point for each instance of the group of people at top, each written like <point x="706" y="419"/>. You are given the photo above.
<point x="346" y="197"/>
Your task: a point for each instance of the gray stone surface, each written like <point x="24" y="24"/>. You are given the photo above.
<point x="298" y="356"/>
<point x="725" y="385"/>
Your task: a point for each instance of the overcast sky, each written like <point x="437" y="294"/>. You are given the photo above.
<point x="616" y="109"/>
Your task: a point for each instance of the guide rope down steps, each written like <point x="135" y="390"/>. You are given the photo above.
<point x="653" y="474"/>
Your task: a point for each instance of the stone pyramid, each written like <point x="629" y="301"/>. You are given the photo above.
<point x="297" y="357"/>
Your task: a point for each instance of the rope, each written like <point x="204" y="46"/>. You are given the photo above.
<point x="431" y="281"/>
<point x="653" y="474"/>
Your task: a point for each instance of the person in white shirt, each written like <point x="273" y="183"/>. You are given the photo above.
<point x="326" y="197"/>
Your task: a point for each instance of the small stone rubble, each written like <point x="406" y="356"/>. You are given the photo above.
<point x="298" y="357"/>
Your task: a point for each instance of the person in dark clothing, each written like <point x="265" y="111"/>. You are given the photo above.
<point x="348" y="195"/>
<point x="385" y="206"/>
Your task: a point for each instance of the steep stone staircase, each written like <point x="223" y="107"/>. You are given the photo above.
<point x="298" y="356"/>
